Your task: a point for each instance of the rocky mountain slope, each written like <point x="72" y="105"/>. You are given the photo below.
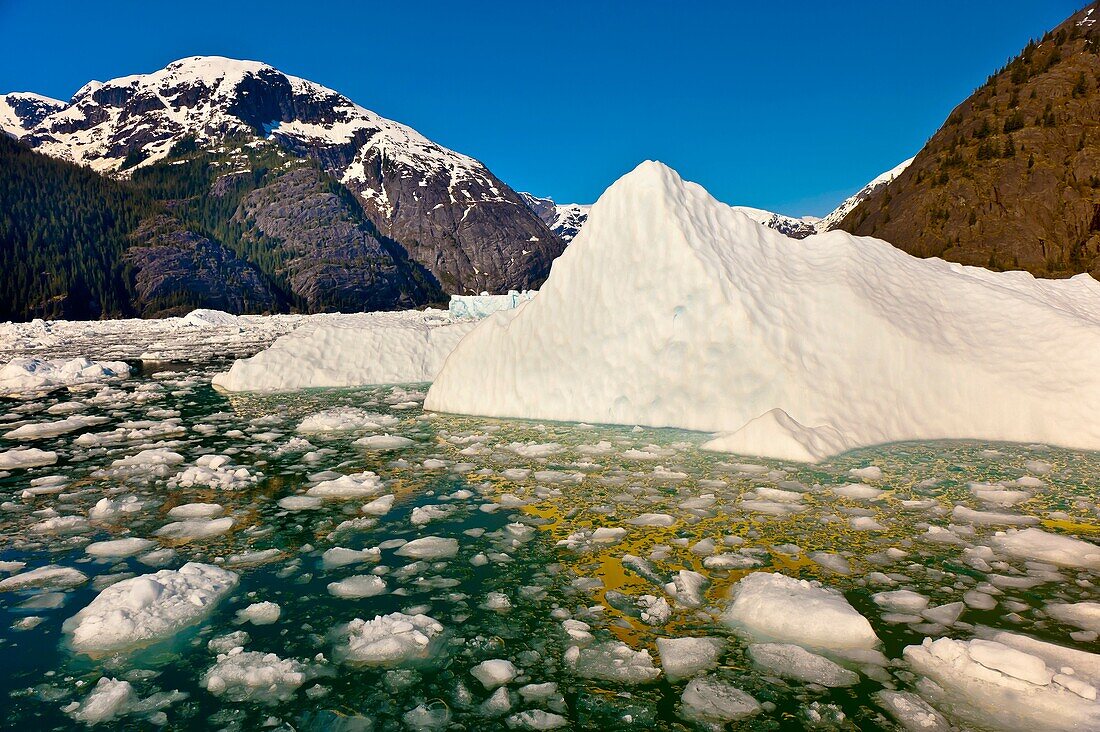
<point x="446" y="210"/>
<point x="832" y="220"/>
<point x="1012" y="178"/>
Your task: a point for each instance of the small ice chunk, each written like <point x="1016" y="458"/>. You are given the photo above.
<point x="795" y="662"/>
<point x="118" y="548"/>
<point x="494" y="673"/>
<point x="195" y="529"/>
<point x="389" y="639"/>
<point x="255" y="676"/>
<point x="1084" y="615"/>
<point x="260" y="613"/>
<point x="358" y="585"/>
<point x="776" y="607"/>
<point x="612" y="661"/>
<point x="51" y="577"/>
<point x="1040" y="546"/>
<point x="429" y="547"/>
<point x="710" y="701"/>
<point x="682" y="658"/>
<point x="108" y="700"/>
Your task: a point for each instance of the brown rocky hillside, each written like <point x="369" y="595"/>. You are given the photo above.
<point x="1012" y="178"/>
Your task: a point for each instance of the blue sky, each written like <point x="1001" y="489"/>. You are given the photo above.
<point x="786" y="106"/>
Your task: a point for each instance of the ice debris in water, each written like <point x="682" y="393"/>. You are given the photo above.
<point x="712" y="702"/>
<point x="429" y="547"/>
<point x="682" y="658"/>
<point x="612" y="661"/>
<point x="773" y="606"/>
<point x="1041" y="546"/>
<point x="342" y="419"/>
<point x="795" y="662"/>
<point x="241" y="675"/>
<point x="1009" y="682"/>
<point x="260" y="613"/>
<point x="26" y="457"/>
<point x="388" y="639"/>
<point x="145" y="609"/>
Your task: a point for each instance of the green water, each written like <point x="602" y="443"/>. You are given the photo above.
<point x="639" y="471"/>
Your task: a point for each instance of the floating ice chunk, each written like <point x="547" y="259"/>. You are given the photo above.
<point x="358" y="585"/>
<point x="429" y="547"/>
<point x="340" y="557"/>
<point x="780" y="608"/>
<point x="1041" y="546"/>
<point x="687" y="588"/>
<point x="26" y="457"/>
<point x="710" y="701"/>
<point x="536" y="719"/>
<point x="195" y="529"/>
<point x="991" y="518"/>
<point x="612" y="661"/>
<point x="26" y="375"/>
<point x="195" y="511"/>
<point x="229" y="641"/>
<point x="358" y="485"/>
<point x="260" y="613"/>
<point x="119" y="547"/>
<point x="1039" y="467"/>
<point x="215" y="471"/>
<point x="142" y="610"/>
<point x="989" y="684"/>
<point x="299" y="503"/>
<point x="44" y="430"/>
<point x="944" y="614"/>
<point x="389" y="639"/>
<point x="832" y="562"/>
<point x="343" y="419"/>
<point x="857" y="491"/>
<point x="902" y="601"/>
<point x="108" y="700"/>
<point x="871" y="472"/>
<point x="146" y="465"/>
<point x="61" y="525"/>
<point x="384" y="442"/>
<point x="795" y="662"/>
<point x="51" y="577"/>
<point x="682" y="658"/>
<point x="651" y="519"/>
<point x="866" y="523"/>
<point x="494" y="673"/>
<point x="1085" y="615"/>
<point x="534" y="449"/>
<point x="379" y="506"/>
<point x="911" y="712"/>
<point x="253" y="676"/>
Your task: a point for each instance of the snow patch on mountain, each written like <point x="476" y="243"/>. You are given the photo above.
<point x="20" y="111"/>
<point x="564" y="219"/>
<point x="833" y="219"/>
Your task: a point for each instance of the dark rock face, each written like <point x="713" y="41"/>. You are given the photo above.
<point x="173" y="270"/>
<point x="28" y="110"/>
<point x="1012" y="179"/>
<point x="447" y="211"/>
<point x="333" y="258"/>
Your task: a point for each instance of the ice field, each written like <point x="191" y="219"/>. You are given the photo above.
<point x="178" y="558"/>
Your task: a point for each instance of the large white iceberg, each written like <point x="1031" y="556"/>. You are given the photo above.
<point x="368" y="348"/>
<point x="672" y="309"/>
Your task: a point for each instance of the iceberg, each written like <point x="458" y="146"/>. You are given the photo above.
<point x="356" y="350"/>
<point x="670" y="309"/>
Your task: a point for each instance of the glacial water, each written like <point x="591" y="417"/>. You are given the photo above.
<point x="522" y="500"/>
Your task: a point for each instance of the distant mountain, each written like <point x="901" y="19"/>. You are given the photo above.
<point x="796" y="228"/>
<point x="1012" y="178"/>
<point x="564" y="219"/>
<point x="832" y="220"/>
<point x="446" y="210"/>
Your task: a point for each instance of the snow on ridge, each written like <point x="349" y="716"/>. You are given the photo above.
<point x="209" y="117"/>
<point x="833" y="218"/>
<point x="20" y="111"/>
<point x="846" y="341"/>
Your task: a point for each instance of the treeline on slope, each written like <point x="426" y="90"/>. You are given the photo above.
<point x="63" y="229"/>
<point x="1012" y="178"/>
<point x="76" y="245"/>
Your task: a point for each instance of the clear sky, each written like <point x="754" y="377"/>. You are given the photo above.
<point x="789" y="106"/>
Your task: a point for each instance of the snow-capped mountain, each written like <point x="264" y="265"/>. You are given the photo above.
<point x="20" y="111"/>
<point x="833" y="219"/>
<point x="796" y="228"/>
<point x="564" y="219"/>
<point x="448" y="210"/>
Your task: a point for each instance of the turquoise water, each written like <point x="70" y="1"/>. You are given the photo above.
<point x="581" y="477"/>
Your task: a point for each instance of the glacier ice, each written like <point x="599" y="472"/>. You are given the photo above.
<point x="671" y="309"/>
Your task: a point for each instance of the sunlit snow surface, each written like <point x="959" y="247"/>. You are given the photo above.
<point x="550" y="558"/>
